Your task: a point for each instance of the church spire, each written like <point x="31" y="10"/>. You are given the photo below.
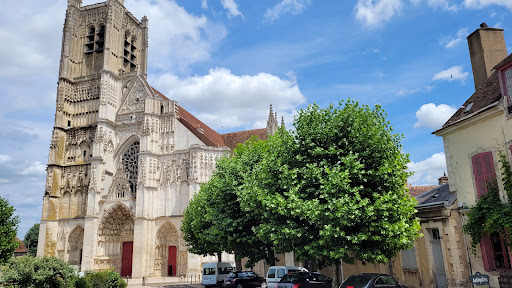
<point x="272" y="122"/>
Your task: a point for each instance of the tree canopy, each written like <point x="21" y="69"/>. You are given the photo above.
<point x="342" y="192"/>
<point x="8" y="230"/>
<point x="332" y="189"/>
<point x="31" y="239"/>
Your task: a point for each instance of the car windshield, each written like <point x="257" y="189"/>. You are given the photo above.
<point x="247" y="274"/>
<point x="290" y="278"/>
<point x="357" y="281"/>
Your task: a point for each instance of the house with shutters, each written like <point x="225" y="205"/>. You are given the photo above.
<point x="475" y="137"/>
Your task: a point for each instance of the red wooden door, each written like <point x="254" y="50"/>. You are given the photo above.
<point x="126" y="260"/>
<point x="171" y="268"/>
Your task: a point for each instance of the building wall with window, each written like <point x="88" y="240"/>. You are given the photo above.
<point x="475" y="137"/>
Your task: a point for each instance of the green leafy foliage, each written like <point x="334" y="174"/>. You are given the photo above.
<point x="333" y="189"/>
<point x="214" y="221"/>
<point x="341" y="192"/>
<point x="29" y="272"/>
<point x="490" y="214"/>
<point x="101" y="279"/>
<point x="8" y="230"/>
<point x="31" y="239"/>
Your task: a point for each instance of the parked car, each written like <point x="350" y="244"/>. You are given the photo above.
<point x="275" y="273"/>
<point x="371" y="280"/>
<point x="215" y="273"/>
<point x="304" y="280"/>
<point x="244" y="279"/>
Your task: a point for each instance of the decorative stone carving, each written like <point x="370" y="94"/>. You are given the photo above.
<point x="120" y="187"/>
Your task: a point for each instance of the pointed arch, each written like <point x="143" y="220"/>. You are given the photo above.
<point x="75" y="245"/>
<point x="114" y="230"/>
<point x="127" y="156"/>
<point x="167" y="249"/>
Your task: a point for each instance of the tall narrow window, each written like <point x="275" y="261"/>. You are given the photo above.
<point x="483" y="171"/>
<point x="131" y="164"/>
<point x="100" y="42"/>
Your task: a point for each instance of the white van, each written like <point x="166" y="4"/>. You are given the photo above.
<point x="215" y="273"/>
<point x="275" y="273"/>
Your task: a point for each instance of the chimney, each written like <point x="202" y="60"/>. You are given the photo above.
<point x="443" y="180"/>
<point x="486" y="49"/>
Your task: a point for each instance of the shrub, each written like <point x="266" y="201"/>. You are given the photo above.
<point x="46" y="272"/>
<point x="104" y="279"/>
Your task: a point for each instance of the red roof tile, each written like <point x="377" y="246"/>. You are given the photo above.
<point x="201" y="130"/>
<point x="232" y="139"/>
<point x="159" y="94"/>
<point x="21" y="248"/>
<point x="208" y="136"/>
<point x="418" y="190"/>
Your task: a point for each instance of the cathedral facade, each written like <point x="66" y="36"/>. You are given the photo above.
<point x="124" y="160"/>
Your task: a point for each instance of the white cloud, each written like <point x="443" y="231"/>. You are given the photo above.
<point x="478" y="4"/>
<point x="443" y="4"/>
<point x="204" y="5"/>
<point x="427" y="171"/>
<point x="232" y="8"/>
<point x="432" y="116"/>
<point x="34" y="169"/>
<point x="450" y="74"/>
<point x="177" y="38"/>
<point x="5" y="158"/>
<point x="452" y="41"/>
<point x="223" y="100"/>
<point x="374" y="13"/>
<point x="296" y="7"/>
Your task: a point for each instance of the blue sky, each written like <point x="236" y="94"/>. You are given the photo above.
<point x="226" y="61"/>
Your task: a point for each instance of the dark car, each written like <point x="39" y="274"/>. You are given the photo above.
<point x="304" y="280"/>
<point x="244" y="279"/>
<point x="371" y="280"/>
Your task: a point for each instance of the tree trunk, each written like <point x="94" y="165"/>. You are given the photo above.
<point x="336" y="281"/>
<point x="238" y="264"/>
<point x="219" y="257"/>
<point x="271" y="257"/>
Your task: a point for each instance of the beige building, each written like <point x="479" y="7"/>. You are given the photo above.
<point x="476" y="135"/>
<point x="124" y="160"/>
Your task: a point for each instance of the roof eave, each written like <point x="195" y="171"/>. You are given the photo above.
<point x="470" y="119"/>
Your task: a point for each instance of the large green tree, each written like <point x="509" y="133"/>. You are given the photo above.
<point x="31" y="239"/>
<point x="214" y="220"/>
<point x="8" y="230"/>
<point x="341" y="192"/>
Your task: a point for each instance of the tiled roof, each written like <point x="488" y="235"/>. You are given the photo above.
<point x="418" y="190"/>
<point x="232" y="139"/>
<point x="201" y="130"/>
<point x="440" y="194"/>
<point x="21" y="248"/>
<point x="486" y="95"/>
<point x="160" y="94"/>
<point x="208" y="136"/>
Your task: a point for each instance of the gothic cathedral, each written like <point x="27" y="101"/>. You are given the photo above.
<point x="124" y="160"/>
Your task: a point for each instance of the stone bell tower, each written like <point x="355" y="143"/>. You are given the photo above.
<point x="102" y="44"/>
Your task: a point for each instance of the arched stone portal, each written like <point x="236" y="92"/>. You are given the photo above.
<point x="75" y="246"/>
<point x="167" y="250"/>
<point x="115" y="231"/>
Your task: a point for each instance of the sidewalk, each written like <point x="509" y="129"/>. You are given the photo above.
<point x="163" y="282"/>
